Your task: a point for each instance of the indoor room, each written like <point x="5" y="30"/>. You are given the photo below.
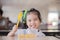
<point x="49" y="14"/>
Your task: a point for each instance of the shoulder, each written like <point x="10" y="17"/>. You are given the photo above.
<point x="41" y="33"/>
<point x="20" y="31"/>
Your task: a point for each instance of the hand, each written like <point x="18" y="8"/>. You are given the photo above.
<point x="12" y="33"/>
<point x="15" y="28"/>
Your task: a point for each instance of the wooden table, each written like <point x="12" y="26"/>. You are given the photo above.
<point x="41" y="38"/>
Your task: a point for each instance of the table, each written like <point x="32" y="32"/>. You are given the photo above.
<point x="46" y="32"/>
<point x="42" y="38"/>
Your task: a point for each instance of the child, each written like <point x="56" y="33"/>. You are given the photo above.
<point x="33" y="21"/>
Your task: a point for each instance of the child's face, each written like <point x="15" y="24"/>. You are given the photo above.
<point x="32" y="20"/>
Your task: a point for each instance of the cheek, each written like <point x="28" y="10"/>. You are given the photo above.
<point x="38" y="23"/>
<point x="28" y="23"/>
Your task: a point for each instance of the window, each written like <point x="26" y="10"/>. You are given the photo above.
<point x="53" y="20"/>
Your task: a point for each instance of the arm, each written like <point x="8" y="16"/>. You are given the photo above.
<point x="12" y="33"/>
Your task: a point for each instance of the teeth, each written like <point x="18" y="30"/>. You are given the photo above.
<point x="33" y="26"/>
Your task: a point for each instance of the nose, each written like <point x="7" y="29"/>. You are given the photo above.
<point x="32" y="22"/>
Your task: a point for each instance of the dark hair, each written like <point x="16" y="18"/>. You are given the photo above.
<point x="35" y="12"/>
<point x="1" y="12"/>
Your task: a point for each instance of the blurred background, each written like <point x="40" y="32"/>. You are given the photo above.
<point x="49" y="9"/>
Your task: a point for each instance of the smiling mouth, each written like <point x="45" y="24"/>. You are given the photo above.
<point x="33" y="26"/>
